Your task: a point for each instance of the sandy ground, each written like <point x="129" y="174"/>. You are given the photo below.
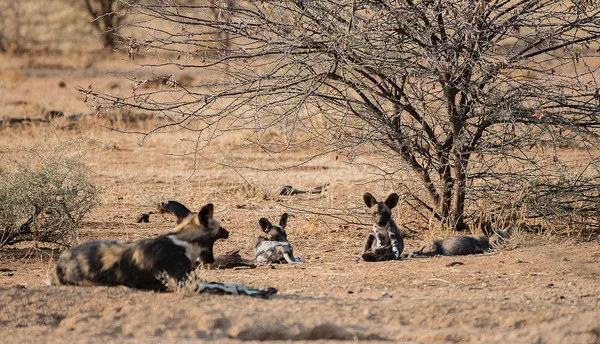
<point x="536" y="290"/>
<point x="538" y="294"/>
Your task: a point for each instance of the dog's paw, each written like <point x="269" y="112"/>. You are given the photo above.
<point x="396" y="253"/>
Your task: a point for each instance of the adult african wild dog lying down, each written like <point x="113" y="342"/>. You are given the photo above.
<point x="272" y="245"/>
<point x="386" y="241"/>
<point x="463" y="245"/>
<point x="137" y="264"/>
<point x="143" y="264"/>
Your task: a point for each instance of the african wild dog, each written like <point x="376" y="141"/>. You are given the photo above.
<point x="272" y="245"/>
<point x="463" y="245"/>
<point x="288" y="190"/>
<point x="138" y="264"/>
<point x="386" y="242"/>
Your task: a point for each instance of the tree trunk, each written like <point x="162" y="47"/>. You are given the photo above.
<point x="447" y="186"/>
<point x="458" y="201"/>
<point x="108" y="19"/>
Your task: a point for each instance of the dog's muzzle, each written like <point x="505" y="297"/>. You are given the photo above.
<point x="222" y="234"/>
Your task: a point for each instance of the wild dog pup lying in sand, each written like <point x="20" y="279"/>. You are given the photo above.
<point x="386" y="242"/>
<point x="272" y="245"/>
<point x="463" y="245"/>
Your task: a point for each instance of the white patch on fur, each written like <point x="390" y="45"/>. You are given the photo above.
<point x="265" y="251"/>
<point x="377" y="229"/>
<point x="192" y="252"/>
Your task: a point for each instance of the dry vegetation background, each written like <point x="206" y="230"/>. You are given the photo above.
<point x="538" y="289"/>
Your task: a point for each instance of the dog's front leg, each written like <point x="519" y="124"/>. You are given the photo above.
<point x="369" y="243"/>
<point x="397" y="245"/>
<point x="288" y="254"/>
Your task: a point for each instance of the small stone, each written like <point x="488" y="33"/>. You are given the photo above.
<point x="143" y="218"/>
<point x="454" y="264"/>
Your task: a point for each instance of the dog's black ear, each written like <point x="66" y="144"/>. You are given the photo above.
<point x="206" y="213"/>
<point x="265" y="225"/>
<point x="283" y="220"/>
<point x="176" y="209"/>
<point x="392" y="200"/>
<point x="369" y="199"/>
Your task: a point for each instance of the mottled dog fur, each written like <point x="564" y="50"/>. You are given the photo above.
<point x="272" y="245"/>
<point x="386" y="241"/>
<point x="463" y="245"/>
<point x="138" y="264"/>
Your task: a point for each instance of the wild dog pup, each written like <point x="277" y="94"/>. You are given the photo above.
<point x="138" y="264"/>
<point x="272" y="245"/>
<point x="463" y="245"/>
<point x="386" y="242"/>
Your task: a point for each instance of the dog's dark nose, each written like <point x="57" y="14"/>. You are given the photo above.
<point x="222" y="234"/>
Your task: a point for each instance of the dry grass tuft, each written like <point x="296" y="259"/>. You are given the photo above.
<point x="187" y="287"/>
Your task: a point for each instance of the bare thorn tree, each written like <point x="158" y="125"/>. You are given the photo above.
<point x="474" y="98"/>
<point x="105" y="18"/>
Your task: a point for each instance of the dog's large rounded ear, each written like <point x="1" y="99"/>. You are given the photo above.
<point x="283" y="220"/>
<point x="175" y="208"/>
<point x="205" y="214"/>
<point x="392" y="200"/>
<point x="265" y="225"/>
<point x="369" y="199"/>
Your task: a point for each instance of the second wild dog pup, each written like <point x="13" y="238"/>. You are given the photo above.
<point x="386" y="242"/>
<point x="463" y="245"/>
<point x="272" y="245"/>
<point x="138" y="264"/>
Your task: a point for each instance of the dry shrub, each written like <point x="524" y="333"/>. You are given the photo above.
<point x="43" y="198"/>
<point x="413" y="106"/>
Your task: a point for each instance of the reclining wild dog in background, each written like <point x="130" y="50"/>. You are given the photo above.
<point x="272" y="245"/>
<point x="386" y="242"/>
<point x="288" y="190"/>
<point x="463" y="245"/>
<point x="137" y="264"/>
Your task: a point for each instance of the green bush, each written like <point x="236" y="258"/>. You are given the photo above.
<point x="43" y="198"/>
